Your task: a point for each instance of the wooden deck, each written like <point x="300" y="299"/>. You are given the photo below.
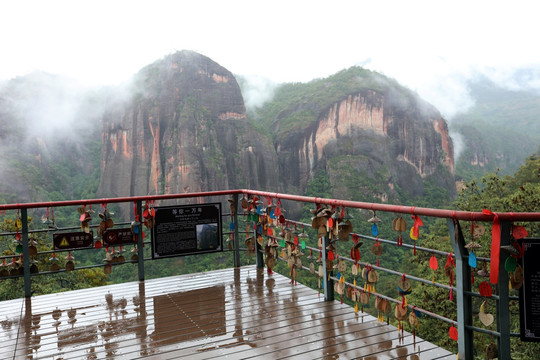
<point x="228" y="314"/>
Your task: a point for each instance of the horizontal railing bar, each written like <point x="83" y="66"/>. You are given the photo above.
<point x="402" y="209"/>
<point x="413" y="210"/>
<point x="45" y="204"/>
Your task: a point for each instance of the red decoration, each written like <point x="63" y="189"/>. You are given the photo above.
<point x="330" y="255"/>
<point x="485" y="289"/>
<point x="417" y="223"/>
<point x="495" y="246"/>
<point x="433" y="264"/>
<point x="519" y="232"/>
<point x="452" y="332"/>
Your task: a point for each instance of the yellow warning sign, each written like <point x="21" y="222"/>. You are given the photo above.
<point x="64" y="242"/>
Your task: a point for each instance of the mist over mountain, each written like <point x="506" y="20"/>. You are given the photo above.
<point x="184" y="123"/>
<point x="502" y="128"/>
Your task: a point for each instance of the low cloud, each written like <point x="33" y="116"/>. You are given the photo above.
<point x="256" y="90"/>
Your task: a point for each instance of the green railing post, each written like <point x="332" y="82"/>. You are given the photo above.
<point x="235" y="240"/>
<point x="140" y="243"/>
<point x="463" y="284"/>
<point x="502" y="303"/>
<point x="328" y="284"/>
<point x="26" y="253"/>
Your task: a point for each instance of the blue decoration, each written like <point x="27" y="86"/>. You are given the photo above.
<point x="472" y="259"/>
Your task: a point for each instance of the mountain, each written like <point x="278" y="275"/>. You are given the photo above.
<point x="181" y="125"/>
<point x="500" y="131"/>
<point x="375" y="139"/>
<point x="50" y="138"/>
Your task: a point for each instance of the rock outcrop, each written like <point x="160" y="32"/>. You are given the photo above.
<point x="182" y="128"/>
<point x="392" y="140"/>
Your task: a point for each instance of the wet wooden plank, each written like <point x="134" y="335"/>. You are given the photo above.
<point x="233" y="313"/>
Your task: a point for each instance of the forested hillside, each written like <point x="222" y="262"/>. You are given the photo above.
<point x="499" y="132"/>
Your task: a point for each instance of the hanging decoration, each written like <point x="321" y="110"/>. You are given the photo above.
<point x="70" y="265"/>
<point x="414" y="234"/>
<point x="400" y="312"/>
<point x="107" y="269"/>
<point x="414" y="315"/>
<point x="476" y="232"/>
<point x="434" y="265"/>
<point x="404" y="288"/>
<point x="364" y="299"/>
<point x="495" y="246"/>
<point x="339" y="286"/>
<point x="453" y="333"/>
<point x="485" y="318"/>
<point x="491" y="350"/>
<point x="85" y="217"/>
<point x="370" y="277"/>
<point x="383" y="307"/>
<point x="54" y="263"/>
<point x="376" y="248"/>
<point x="345" y="226"/>
<point x="516" y="278"/>
<point x="485" y="289"/>
<point x="449" y="272"/>
<point x="399" y="225"/>
<point x="149" y="213"/>
<point x="355" y="249"/>
<point x="32" y="252"/>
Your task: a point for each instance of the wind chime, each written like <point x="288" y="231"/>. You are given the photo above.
<point x="404" y="288"/>
<point x="400" y="312"/>
<point x="399" y="225"/>
<point x="413" y="320"/>
<point x="370" y="277"/>
<point x="383" y="307"/>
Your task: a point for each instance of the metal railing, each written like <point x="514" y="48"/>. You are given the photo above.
<point x="462" y="289"/>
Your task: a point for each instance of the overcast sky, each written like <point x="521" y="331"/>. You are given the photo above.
<point x="429" y="46"/>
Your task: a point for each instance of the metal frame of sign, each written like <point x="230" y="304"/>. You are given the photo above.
<point x="529" y="293"/>
<point x="186" y="230"/>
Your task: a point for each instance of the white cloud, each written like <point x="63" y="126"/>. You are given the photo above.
<point x="429" y="46"/>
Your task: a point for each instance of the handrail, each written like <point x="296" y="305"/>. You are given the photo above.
<point x="464" y="294"/>
<point x="401" y="209"/>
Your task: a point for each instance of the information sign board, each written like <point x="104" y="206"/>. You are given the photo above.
<point x="73" y="240"/>
<point x="529" y="293"/>
<point x="123" y="236"/>
<point x="186" y="229"/>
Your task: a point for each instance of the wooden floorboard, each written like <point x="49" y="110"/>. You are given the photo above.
<point x="226" y="314"/>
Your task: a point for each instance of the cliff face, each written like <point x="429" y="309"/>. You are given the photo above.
<point x="374" y="135"/>
<point x="182" y="128"/>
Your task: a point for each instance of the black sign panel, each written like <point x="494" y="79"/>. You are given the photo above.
<point x="114" y="237"/>
<point x="73" y="240"/>
<point x="529" y="293"/>
<point x="186" y="229"/>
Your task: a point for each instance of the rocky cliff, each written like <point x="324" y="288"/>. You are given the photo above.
<point x="377" y="143"/>
<point x="182" y="127"/>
